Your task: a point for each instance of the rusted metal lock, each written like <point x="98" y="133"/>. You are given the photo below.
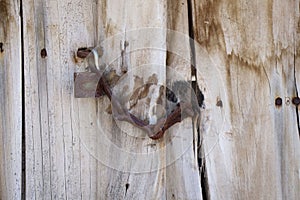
<point x="95" y="84"/>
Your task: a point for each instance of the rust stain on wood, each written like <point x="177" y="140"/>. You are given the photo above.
<point x="103" y="11"/>
<point x="4" y="16"/>
<point x="141" y="89"/>
<point x="209" y="31"/>
<point x="219" y="102"/>
<point x="112" y="77"/>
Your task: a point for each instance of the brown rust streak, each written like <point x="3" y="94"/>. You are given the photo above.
<point x="209" y="31"/>
<point x="141" y="89"/>
<point x="4" y="16"/>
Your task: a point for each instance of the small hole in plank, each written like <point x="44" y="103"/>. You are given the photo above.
<point x="43" y="53"/>
<point x="278" y="101"/>
<point x="1" y="47"/>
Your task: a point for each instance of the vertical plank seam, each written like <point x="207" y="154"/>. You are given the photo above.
<point x="23" y="139"/>
<point x="295" y="77"/>
<point x="201" y="162"/>
<point x="296" y="89"/>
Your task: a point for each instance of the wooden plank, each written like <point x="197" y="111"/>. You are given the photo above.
<point x="54" y="152"/>
<point x="245" y="59"/>
<point x="74" y="149"/>
<point x="129" y="175"/>
<point x="63" y="144"/>
<point x="10" y="100"/>
<point x="183" y="177"/>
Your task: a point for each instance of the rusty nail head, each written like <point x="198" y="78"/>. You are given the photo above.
<point x="296" y="101"/>
<point x="278" y="101"/>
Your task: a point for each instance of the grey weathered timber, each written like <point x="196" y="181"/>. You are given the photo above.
<point x="10" y="100"/>
<point x="252" y="50"/>
<point x="246" y="55"/>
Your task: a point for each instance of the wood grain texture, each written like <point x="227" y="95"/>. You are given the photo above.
<point x="10" y="100"/>
<point x="74" y="149"/>
<point x="246" y="56"/>
<point x="134" y="168"/>
<point x="252" y="147"/>
<point x="183" y="178"/>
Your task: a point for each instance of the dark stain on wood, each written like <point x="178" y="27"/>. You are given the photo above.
<point x="219" y="103"/>
<point x="160" y="99"/>
<point x="298" y="27"/>
<point x="208" y="30"/>
<point x="112" y="77"/>
<point x="124" y="65"/>
<point x="171" y="96"/>
<point x="141" y="89"/>
<point x="4" y="16"/>
<point x="103" y="11"/>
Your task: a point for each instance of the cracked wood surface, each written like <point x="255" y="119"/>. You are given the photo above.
<point x="68" y="154"/>
<point x="246" y="55"/>
<point x="10" y="101"/>
<point x="253" y="49"/>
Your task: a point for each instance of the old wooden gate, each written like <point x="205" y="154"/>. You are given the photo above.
<point x="243" y="55"/>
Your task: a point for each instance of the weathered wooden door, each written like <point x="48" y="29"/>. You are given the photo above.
<point x="242" y="55"/>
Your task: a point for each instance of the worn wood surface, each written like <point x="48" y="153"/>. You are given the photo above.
<point x="182" y="148"/>
<point x="10" y="100"/>
<point x="74" y="148"/>
<point x="252" y="48"/>
<point x="246" y="56"/>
